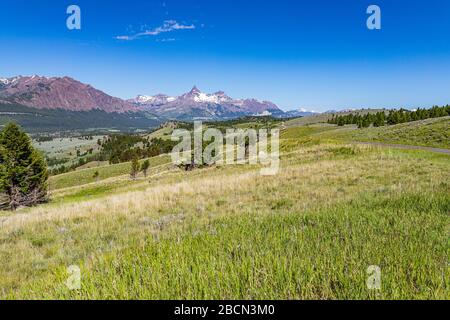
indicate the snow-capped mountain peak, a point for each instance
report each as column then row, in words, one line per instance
column 308, row 111
column 217, row 97
column 200, row 97
column 196, row 104
column 301, row 112
column 158, row 99
column 208, row 98
column 144, row 99
column 8, row 81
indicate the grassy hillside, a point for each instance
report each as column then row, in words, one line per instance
column 85, row 176
column 63, row 150
column 428, row 133
column 310, row 232
column 162, row 133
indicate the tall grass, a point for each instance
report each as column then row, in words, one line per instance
column 321, row 254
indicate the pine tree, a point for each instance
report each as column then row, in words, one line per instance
column 23, row 170
column 145, row 166
column 134, row 168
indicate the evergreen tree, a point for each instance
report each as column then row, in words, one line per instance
column 23, row 170
column 145, row 166
column 394, row 117
column 134, row 167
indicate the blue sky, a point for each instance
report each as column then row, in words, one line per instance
column 313, row 54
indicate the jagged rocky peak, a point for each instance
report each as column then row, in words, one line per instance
column 195, row 90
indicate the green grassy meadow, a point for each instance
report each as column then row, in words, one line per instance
column 335, row 208
column 428, row 133
column 85, row 176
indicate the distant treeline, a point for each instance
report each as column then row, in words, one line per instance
column 125, row 147
column 382, row 118
column 120, row 148
column 44, row 139
column 41, row 139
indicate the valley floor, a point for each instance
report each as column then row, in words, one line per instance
column 311, row 232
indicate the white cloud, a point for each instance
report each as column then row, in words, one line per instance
column 168, row 26
column 167, row 40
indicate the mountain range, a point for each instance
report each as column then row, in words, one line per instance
column 38, row 97
column 302, row 112
column 196, row 105
column 59, row 93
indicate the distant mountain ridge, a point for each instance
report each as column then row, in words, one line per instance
column 302, row 112
column 198, row 105
column 65, row 93
column 59, row 93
